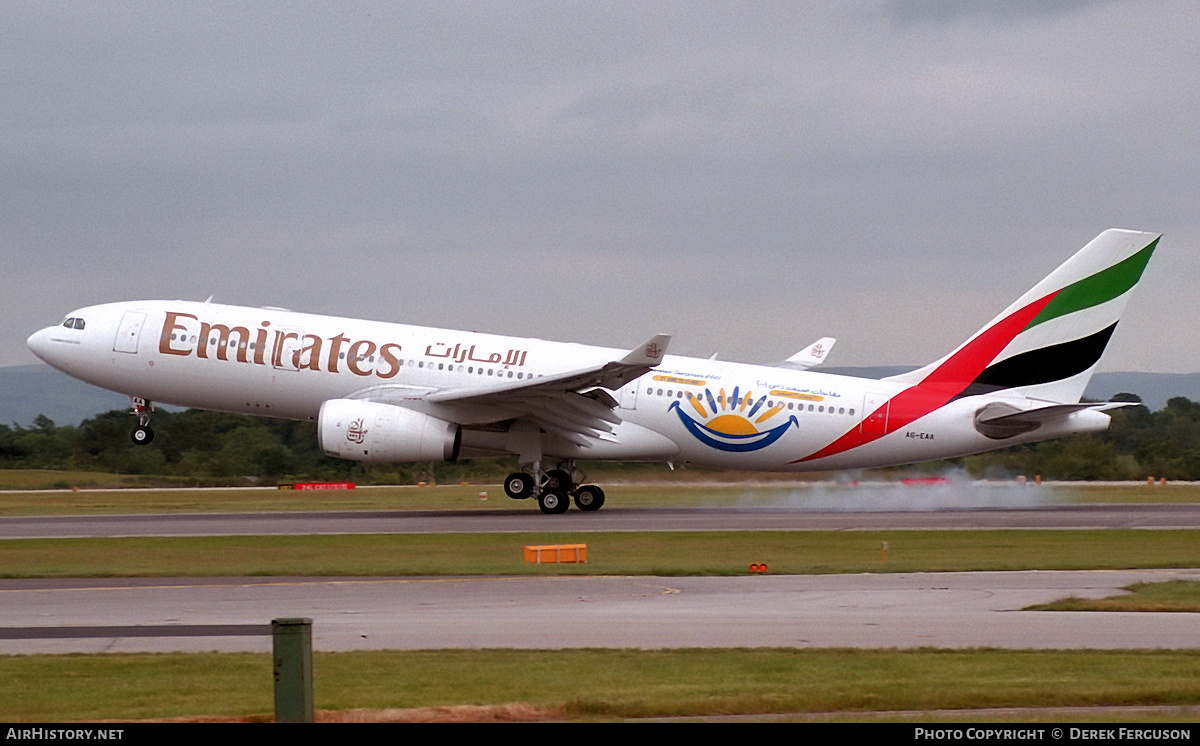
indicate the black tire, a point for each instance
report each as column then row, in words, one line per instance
column 589, row 497
column 518, row 485
column 142, row 435
column 553, row 502
column 558, row 479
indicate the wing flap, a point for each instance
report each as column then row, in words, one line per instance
column 556, row 411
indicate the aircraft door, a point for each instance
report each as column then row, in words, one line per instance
column 129, row 332
column 875, row 413
column 629, row 394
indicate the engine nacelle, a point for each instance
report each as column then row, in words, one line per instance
column 369, row 431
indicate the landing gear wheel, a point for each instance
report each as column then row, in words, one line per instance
column 589, row 497
column 558, row 479
column 553, row 502
column 142, row 435
column 518, row 485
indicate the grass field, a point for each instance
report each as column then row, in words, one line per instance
column 610, row 684
column 1173, row 596
column 609, row 553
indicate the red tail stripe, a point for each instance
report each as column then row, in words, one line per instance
column 944, row 382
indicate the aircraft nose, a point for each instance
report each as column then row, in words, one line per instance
column 39, row 343
column 53, row 351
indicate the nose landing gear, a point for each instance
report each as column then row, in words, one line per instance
column 142, row 434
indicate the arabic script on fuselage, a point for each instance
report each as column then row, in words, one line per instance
column 301, row 351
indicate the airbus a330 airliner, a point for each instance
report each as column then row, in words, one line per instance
column 395, row 393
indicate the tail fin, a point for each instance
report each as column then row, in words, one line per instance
column 1048, row 342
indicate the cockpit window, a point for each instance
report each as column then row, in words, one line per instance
column 73, row 323
column 79, row 323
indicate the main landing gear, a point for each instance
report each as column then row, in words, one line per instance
column 142, row 434
column 554, row 489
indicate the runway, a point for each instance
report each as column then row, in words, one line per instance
column 1090, row 516
column 947, row 610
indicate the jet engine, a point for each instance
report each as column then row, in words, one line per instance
column 369, row 431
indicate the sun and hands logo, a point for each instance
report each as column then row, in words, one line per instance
column 736, row 423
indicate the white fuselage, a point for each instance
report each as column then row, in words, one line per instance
column 279, row 363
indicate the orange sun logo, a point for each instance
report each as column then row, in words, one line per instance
column 735, row 423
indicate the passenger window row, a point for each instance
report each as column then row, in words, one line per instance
column 742, row 401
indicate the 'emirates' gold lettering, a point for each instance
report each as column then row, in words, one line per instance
column 288, row 349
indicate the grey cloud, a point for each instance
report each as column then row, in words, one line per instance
column 749, row 176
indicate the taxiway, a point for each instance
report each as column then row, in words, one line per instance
column 945, row 610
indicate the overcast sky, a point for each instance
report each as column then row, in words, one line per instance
column 745, row 176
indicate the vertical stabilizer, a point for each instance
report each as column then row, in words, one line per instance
column 1047, row 344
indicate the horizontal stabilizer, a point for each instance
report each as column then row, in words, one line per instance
column 999, row 420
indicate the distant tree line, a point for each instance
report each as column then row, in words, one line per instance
column 209, row 448
column 198, row 447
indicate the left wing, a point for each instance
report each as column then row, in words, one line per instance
column 574, row 405
column 612, row 375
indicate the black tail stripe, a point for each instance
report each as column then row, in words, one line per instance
column 1053, row 363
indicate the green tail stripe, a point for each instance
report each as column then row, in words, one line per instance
column 1099, row 288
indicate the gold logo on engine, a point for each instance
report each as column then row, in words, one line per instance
column 356, row 433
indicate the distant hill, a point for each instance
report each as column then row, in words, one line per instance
column 1154, row 388
column 29, row 390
